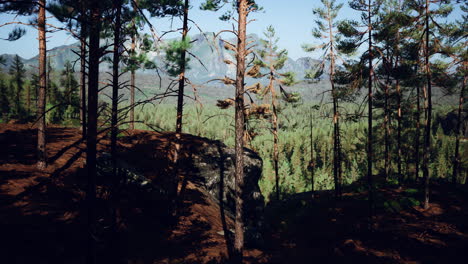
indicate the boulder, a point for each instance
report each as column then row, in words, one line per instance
column 213, row 168
column 209, row 164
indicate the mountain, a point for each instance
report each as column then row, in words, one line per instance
column 205, row 49
column 207, row 62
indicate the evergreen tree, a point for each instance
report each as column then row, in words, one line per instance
column 70, row 93
column 26, row 8
column 4, row 101
column 17, row 71
column 269, row 64
column 243, row 8
column 356, row 38
column 426, row 17
column 326, row 29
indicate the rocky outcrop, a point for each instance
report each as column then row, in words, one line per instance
column 213, row 168
column 209, row 164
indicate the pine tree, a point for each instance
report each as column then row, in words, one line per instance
column 269, row 64
column 326, row 29
column 426, row 18
column 243, row 8
column 91, row 141
column 355, row 39
column 27, row 8
column 17, row 71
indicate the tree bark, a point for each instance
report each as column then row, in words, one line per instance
column 115, row 83
column 312, row 159
column 387, row 129
column 275, row 133
column 369, row 118
column 427, row 134
column 418, row 128
column 239, row 129
column 41, row 128
column 336, row 126
column 180, row 95
column 132, row 75
column 83, row 35
column 93, row 87
column 399, row 116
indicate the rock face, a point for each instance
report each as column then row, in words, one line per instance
column 209, row 164
column 213, row 168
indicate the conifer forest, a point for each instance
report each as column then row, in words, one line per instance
column 233, row 131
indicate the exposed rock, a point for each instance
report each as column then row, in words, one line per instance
column 213, row 168
column 209, row 164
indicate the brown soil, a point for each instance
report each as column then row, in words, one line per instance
column 43, row 219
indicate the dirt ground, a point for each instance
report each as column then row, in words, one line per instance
column 43, row 216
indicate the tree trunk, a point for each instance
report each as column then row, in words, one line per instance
column 399, row 115
column 275, row 134
column 180, row 95
column 312, row 161
column 417, row 132
column 93, row 87
column 115, row 86
column 239, row 130
column 41, row 128
column 427, row 134
column 386, row 132
column 28, row 100
column 83, row 35
column 180, row 108
column 369, row 118
column 336, row 126
column 457, row 159
column 132, row 76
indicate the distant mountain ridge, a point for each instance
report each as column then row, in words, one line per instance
column 207, row 50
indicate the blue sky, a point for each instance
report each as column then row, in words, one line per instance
column 292, row 19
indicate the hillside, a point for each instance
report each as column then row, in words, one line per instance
column 50, row 203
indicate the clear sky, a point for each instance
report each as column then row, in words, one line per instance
column 292, row 19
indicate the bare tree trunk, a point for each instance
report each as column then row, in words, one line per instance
column 115, row 77
column 399, row 115
column 83, row 35
column 336, row 126
column 312, row 161
column 239, row 130
column 386, row 132
column 369, row 118
column 114, row 119
column 180, row 108
column 417, row 132
column 275, row 134
column 28, row 100
column 41, row 128
column 132, row 75
column 115, row 84
column 427, row 136
column 457, row 159
column 132, row 95
column 93, row 87
column 180, row 96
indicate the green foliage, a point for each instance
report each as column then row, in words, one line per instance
column 173, row 59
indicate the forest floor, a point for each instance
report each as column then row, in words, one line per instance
column 43, row 218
